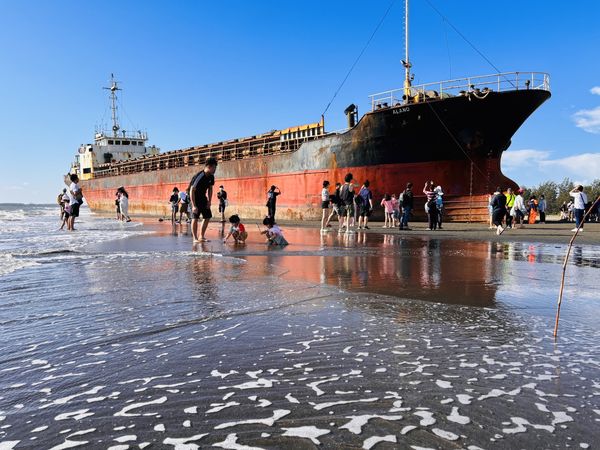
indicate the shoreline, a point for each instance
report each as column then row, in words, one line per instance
column 550, row 232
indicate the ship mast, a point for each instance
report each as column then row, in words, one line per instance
column 406, row 62
column 113, row 97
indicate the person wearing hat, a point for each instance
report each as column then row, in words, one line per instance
column 222, row 196
column 439, row 202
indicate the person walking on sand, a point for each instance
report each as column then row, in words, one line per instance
column 201, row 190
column 118, row 204
column 430, row 204
column 498, row 210
column 579, row 202
column 406, row 201
column 335, row 203
column 222, row 196
column 124, row 204
column 366, row 205
column 325, row 199
column 174, row 201
column 272, row 195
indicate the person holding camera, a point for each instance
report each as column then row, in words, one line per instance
column 272, row 195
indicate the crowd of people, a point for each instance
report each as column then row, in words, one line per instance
column 352, row 204
column 353, row 209
column 510, row 210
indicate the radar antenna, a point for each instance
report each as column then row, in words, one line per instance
column 113, row 98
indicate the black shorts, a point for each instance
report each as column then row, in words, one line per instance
column 183, row 207
column 221, row 207
column 75, row 209
column 203, row 210
column 324, row 205
column 364, row 211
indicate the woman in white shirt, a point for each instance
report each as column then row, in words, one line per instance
column 325, row 205
column 124, row 203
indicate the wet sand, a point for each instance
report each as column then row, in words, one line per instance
column 367, row 340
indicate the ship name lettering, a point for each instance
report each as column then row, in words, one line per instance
column 401, row 110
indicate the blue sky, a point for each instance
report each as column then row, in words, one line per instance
column 195, row 72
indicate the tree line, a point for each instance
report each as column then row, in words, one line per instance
column 557, row 193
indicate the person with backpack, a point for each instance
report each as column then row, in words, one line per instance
column 406, row 201
column 347, row 199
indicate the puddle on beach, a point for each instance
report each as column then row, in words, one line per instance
column 363, row 341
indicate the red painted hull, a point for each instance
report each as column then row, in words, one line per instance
column 301, row 191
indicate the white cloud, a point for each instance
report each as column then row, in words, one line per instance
column 595, row 90
column 530, row 163
column 515, row 159
column 588, row 120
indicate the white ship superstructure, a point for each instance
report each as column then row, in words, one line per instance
column 109, row 147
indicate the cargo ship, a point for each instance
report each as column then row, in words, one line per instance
column 452, row 132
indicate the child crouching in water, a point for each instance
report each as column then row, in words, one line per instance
column 237, row 230
column 273, row 232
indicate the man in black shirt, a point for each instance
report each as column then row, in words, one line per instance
column 201, row 189
column 222, row 196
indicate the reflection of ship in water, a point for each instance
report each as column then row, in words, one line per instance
column 447, row 271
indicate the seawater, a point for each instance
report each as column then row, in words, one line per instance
column 127, row 336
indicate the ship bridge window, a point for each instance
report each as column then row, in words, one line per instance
column 125, row 142
column 133, row 142
column 118, row 142
column 111, row 142
column 87, row 170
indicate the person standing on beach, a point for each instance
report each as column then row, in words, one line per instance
column 542, row 208
column 184, row 205
column 325, row 205
column 174, row 201
column 347, row 198
column 124, row 204
column 519, row 209
column 579, row 202
column 406, row 201
column 439, row 203
column 75, row 200
column 498, row 210
column 201, row 190
column 510, row 202
column 272, row 195
column 366, row 205
column 61, row 202
column 222, row 196
column 430, row 204
column 118, row 204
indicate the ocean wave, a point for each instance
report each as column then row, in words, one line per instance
column 10, row 264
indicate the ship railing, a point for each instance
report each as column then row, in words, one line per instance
column 225, row 151
column 479, row 85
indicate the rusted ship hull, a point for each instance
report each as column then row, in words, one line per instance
column 456, row 142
